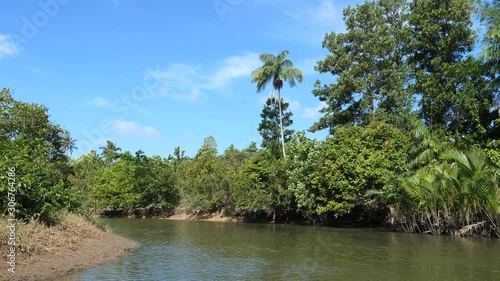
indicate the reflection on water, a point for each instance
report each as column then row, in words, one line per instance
column 187, row 250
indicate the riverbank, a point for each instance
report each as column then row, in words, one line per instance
column 74, row 244
column 219, row 216
column 171, row 214
column 359, row 217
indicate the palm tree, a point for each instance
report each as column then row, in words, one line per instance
column 109, row 151
column 276, row 69
column 427, row 146
column 69, row 143
column 475, row 182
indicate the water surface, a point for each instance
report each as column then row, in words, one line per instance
column 189, row 250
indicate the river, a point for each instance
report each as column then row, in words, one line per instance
column 193, row 250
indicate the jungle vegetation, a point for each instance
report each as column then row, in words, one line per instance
column 413, row 122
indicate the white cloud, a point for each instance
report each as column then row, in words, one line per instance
column 7, row 46
column 323, row 14
column 304, row 21
column 312, row 112
column 99, row 102
column 326, row 13
column 179, row 82
column 105, row 103
column 235, row 67
column 185, row 83
column 143, row 111
column 132, row 128
column 294, row 106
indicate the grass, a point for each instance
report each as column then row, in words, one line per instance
column 35, row 238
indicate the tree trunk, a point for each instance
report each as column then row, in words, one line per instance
column 281, row 124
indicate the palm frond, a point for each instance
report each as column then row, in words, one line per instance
column 268, row 59
column 460, row 158
column 281, row 57
column 291, row 75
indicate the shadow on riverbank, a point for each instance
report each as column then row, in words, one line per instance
column 359, row 217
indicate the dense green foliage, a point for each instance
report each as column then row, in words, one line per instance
column 398, row 59
column 413, row 121
column 370, row 60
column 449, row 80
column 491, row 41
column 334, row 176
column 35, row 148
column 451, row 191
column 127, row 182
column 491, row 53
column 269, row 127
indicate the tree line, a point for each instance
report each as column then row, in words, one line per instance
column 413, row 117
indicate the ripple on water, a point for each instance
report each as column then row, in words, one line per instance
column 214, row 251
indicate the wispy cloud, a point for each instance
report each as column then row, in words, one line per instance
column 314, row 19
column 186, row 83
column 132, row 128
column 7, row 46
column 179, row 82
column 304, row 21
column 294, row 106
column 305, row 112
column 235, row 67
column 297, row 109
column 98, row 102
column 324, row 14
column 312, row 112
column 102, row 102
column 143, row 111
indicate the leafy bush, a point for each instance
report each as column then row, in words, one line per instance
column 35, row 148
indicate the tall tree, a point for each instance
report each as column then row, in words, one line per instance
column 203, row 184
column 88, row 170
column 449, row 81
column 491, row 40
column 370, row 62
column 209, row 147
column 270, row 124
column 110, row 151
column 491, row 54
column 69, row 144
column 275, row 70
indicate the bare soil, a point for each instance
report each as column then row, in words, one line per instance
column 43, row 253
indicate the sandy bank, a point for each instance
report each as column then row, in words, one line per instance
column 44, row 253
column 181, row 214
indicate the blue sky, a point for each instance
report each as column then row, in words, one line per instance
column 154, row 75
